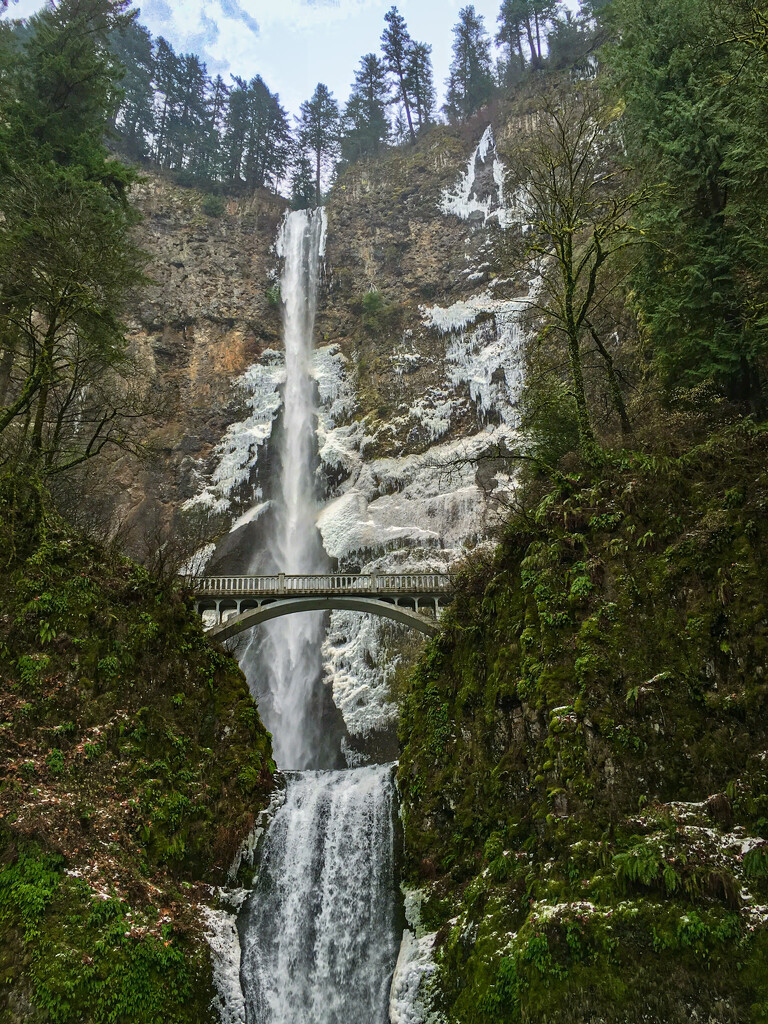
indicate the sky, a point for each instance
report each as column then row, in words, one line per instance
column 294, row 44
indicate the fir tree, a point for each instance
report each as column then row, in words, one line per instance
column 303, row 192
column 366, row 125
column 397, row 46
column 470, row 83
column 132, row 45
column 267, row 138
column 66, row 258
column 420, row 84
column 319, row 131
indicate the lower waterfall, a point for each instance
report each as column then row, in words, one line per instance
column 319, row 943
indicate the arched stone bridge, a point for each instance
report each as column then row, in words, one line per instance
column 232, row 604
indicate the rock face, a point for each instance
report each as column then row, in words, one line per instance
column 418, row 366
column 204, row 319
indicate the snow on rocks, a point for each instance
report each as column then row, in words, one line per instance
column 478, row 196
column 237, row 452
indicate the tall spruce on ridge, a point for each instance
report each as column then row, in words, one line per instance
column 366, row 125
column 470, row 83
column 319, row 126
column 397, row 45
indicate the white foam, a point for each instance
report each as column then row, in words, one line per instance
column 224, row 941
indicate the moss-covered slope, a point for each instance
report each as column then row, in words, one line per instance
column 132, row 760
column 585, row 763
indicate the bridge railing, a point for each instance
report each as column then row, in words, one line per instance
column 283, row 583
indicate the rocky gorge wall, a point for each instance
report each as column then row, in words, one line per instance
column 418, row 365
column 203, row 319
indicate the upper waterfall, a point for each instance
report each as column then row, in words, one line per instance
column 290, row 656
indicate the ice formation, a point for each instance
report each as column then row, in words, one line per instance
column 224, row 941
column 237, row 453
column 465, row 200
column 409, row 1001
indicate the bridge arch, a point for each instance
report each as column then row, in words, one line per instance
column 291, row 606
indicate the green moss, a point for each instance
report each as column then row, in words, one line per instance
column 605, row 664
column 143, row 762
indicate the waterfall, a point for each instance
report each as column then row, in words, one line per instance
column 288, row 651
column 319, row 941
column 318, row 932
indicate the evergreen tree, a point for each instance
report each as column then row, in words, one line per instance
column 420, row 83
column 236, row 128
column 319, row 131
column 66, row 84
column 303, row 192
column 696, row 109
column 366, row 125
column 188, row 115
column 512, row 23
column 397, row 46
column 165, row 78
column 132, row 46
column 213, row 146
column 66, row 259
column 470, row 84
column 267, row 138
column 526, row 19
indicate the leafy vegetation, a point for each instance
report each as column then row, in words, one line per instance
column 134, row 763
column 562, row 742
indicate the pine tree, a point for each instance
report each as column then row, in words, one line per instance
column 135, row 122
column 420, row 83
column 366, row 125
column 470, row 84
column 319, row 131
column 397, row 45
column 303, row 192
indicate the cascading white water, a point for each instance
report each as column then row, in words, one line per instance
column 319, row 943
column 318, row 932
column 291, row 654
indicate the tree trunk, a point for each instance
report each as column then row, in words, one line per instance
column 46, row 379
column 587, row 442
column 317, row 178
column 613, row 382
column 404, row 94
column 6, row 368
column 538, row 36
column 531, row 43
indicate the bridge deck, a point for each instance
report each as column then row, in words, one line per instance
column 332, row 584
